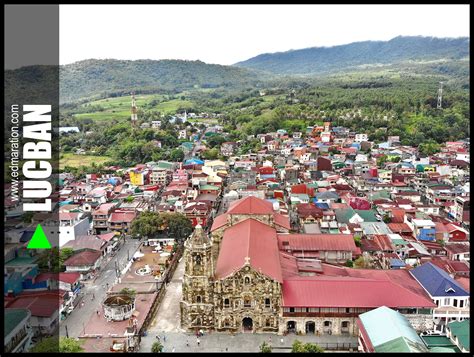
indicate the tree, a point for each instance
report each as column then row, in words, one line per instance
column 349, row 263
column 65, row 254
column 157, row 347
column 362, row 263
column 146, row 225
column 178, row 225
column 386, row 218
column 129, row 292
column 300, row 347
column 63, row 345
column 177, row 155
column 265, row 348
column 27, row 217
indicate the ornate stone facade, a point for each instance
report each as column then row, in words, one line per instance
column 197, row 305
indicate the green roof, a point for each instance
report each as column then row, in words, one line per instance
column 12, row 318
column 390, row 331
column 380, row 195
column 367, row 215
column 460, row 330
column 442, row 350
column 344, row 215
column 209, row 187
column 401, row 344
column 19, row 261
column 399, row 242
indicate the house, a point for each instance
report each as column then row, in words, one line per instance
column 309, row 213
column 121, row 221
column 386, row 330
column 361, row 137
column 86, row 263
column 44, row 309
column 18, row 332
column 423, row 229
column 458, row 333
column 228, row 148
column 460, row 252
column 451, row 298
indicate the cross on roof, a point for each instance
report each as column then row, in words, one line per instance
column 247, row 260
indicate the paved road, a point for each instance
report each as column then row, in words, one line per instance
column 75, row 322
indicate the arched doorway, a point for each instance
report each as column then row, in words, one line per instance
column 327, row 329
column 247, row 324
column 310, row 327
column 291, row 326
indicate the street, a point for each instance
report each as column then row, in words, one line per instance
column 75, row 322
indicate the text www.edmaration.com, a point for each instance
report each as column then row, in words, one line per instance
column 14, row 150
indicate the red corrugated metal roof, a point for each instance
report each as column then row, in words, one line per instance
column 250, row 205
column 255, row 240
column 40, row 304
column 69, row 278
column 317, row 242
column 122, row 217
column 219, row 222
column 281, row 220
column 85, row 257
column 349, row 292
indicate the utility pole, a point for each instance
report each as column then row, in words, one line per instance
column 440, row 96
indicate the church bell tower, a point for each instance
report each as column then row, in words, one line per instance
column 197, row 309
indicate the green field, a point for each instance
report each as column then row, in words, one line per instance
column 119, row 107
column 74, row 160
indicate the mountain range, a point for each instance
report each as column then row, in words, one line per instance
column 94, row 78
column 318, row 60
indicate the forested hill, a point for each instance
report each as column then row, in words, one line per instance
column 93, row 77
column 400, row 49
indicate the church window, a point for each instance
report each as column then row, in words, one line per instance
column 268, row 322
column 198, row 299
column 247, row 280
column 267, row 302
column 226, row 303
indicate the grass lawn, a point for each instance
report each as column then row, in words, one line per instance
column 73, row 160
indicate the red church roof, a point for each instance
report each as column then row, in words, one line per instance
column 252, row 241
column 250, row 205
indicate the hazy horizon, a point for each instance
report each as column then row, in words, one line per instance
column 227, row 34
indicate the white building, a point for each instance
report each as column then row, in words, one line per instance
column 360, row 138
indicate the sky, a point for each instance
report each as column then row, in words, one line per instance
column 226, row 34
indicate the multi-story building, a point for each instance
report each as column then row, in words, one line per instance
column 100, row 217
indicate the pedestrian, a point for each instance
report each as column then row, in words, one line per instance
column 158, row 338
column 227, row 349
column 187, row 343
column 198, row 342
column 281, row 341
column 172, row 350
column 164, row 338
column 97, row 312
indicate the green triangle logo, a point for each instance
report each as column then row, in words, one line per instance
column 39, row 239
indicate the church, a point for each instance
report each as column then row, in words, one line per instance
column 241, row 278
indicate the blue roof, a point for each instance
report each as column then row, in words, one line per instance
column 194, row 162
column 436, row 281
column 26, row 236
column 396, row 263
column 321, row 204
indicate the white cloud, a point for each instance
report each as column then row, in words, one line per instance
column 226, row 34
